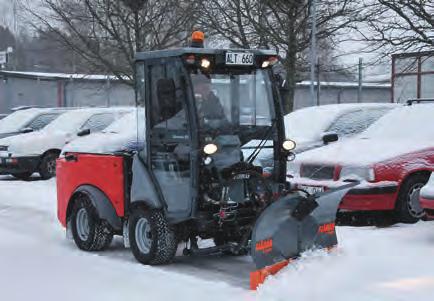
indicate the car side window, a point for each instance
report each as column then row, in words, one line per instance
column 41, row 121
column 98, row 122
column 355, row 122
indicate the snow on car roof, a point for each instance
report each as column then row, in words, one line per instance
column 404, row 130
column 119, row 136
column 72, row 120
column 18, row 119
column 308, row 124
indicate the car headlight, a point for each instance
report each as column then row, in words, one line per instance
column 357, row 173
column 4, row 148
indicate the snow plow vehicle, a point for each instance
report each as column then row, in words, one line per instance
column 190, row 180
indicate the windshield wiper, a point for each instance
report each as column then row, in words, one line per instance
column 261, row 145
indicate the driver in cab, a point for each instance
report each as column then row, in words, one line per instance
column 207, row 103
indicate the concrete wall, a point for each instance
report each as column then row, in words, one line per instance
column 341, row 94
column 20, row 91
column 45, row 91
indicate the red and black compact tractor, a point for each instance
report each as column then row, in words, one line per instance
column 194, row 178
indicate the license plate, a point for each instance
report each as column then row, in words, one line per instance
column 311, row 189
column 239, row 58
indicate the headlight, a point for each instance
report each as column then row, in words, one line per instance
column 357, row 173
column 288, row 145
column 210, row 149
column 4, row 148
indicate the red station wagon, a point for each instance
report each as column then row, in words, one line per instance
column 393, row 158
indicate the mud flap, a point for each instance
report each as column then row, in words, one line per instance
column 291, row 226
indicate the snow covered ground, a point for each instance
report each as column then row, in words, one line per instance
column 38, row 263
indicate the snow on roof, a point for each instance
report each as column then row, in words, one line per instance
column 49, row 75
column 402, row 131
column 346, row 84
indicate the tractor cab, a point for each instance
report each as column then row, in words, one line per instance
column 203, row 106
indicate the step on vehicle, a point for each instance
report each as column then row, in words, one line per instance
column 191, row 180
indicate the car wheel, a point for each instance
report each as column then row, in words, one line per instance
column 408, row 208
column 90, row 233
column 47, row 169
column 151, row 238
column 24, row 176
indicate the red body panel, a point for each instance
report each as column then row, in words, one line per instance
column 426, row 203
column 368, row 202
column 393, row 170
column 106, row 172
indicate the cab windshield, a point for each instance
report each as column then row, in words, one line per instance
column 233, row 100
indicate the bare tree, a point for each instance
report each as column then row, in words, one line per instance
column 277, row 24
column 107, row 33
column 397, row 26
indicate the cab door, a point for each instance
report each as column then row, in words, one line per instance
column 170, row 147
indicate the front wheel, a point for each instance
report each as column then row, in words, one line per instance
column 151, row 238
column 47, row 169
column 90, row 233
column 408, row 208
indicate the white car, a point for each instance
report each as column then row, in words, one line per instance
column 27, row 120
column 317, row 126
column 121, row 136
column 24, row 154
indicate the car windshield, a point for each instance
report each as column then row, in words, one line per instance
column 233, row 99
column 355, row 122
column 409, row 122
column 17, row 120
column 69, row 122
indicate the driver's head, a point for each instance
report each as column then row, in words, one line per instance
column 201, row 85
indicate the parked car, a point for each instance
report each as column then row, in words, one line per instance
column 121, row 136
column 24, row 154
column 392, row 158
column 426, row 197
column 317, row 126
column 27, row 120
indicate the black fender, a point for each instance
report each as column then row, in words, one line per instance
column 143, row 188
column 102, row 203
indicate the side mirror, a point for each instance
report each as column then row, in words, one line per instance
column 330, row 137
column 83, row 132
column 26, row 130
column 166, row 92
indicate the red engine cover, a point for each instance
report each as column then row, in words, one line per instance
column 106, row 172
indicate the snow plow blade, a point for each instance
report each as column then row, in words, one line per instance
column 292, row 225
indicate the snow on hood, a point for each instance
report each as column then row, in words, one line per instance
column 34, row 143
column 363, row 151
column 122, row 135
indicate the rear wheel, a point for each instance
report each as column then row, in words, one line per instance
column 151, row 238
column 23, row 175
column 47, row 169
column 90, row 233
column 408, row 208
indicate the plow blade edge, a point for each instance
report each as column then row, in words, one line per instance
column 292, row 225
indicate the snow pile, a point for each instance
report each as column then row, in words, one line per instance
column 370, row 264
